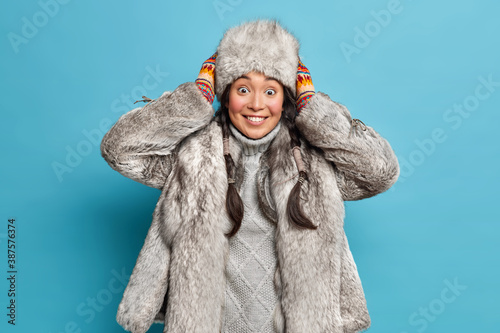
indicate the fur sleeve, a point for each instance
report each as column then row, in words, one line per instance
column 141, row 143
column 364, row 162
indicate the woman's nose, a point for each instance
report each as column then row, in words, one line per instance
column 256, row 102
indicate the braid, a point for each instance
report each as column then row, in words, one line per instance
column 234, row 204
column 294, row 210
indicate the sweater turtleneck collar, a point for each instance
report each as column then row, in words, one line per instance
column 254, row 146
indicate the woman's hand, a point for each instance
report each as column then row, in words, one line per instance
column 206, row 78
column 305, row 88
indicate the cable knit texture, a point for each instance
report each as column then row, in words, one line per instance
column 251, row 298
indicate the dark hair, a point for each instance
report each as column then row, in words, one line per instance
column 234, row 204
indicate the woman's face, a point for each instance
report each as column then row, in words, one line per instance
column 255, row 104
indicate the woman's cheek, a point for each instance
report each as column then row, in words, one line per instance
column 236, row 105
column 276, row 107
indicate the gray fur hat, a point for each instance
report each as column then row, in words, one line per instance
column 261, row 46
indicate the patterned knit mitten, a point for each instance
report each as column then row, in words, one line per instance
column 305, row 88
column 206, row 78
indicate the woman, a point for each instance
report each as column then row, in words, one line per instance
column 247, row 235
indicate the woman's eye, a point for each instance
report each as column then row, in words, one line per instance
column 270, row 92
column 242, row 90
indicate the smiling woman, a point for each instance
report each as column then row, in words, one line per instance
column 247, row 235
column 255, row 104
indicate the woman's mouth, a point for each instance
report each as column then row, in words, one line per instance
column 255, row 120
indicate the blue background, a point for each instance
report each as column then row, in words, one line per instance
column 80, row 229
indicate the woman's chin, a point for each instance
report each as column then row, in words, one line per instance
column 256, row 134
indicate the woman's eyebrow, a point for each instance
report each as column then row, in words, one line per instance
column 266, row 79
column 243, row 77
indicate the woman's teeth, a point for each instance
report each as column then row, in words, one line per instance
column 256, row 119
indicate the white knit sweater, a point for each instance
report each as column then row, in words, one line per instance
column 251, row 297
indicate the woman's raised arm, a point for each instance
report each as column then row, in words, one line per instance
column 142, row 143
column 364, row 162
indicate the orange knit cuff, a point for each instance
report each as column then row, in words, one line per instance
column 206, row 78
column 305, row 87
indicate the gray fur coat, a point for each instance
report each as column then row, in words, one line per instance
column 174, row 145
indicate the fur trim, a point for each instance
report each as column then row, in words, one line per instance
column 355, row 316
column 194, row 224
column 148, row 283
column 261, row 46
column 309, row 260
